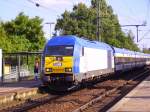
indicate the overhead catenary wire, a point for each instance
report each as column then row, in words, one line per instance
column 143, row 37
column 126, row 18
column 132, row 14
column 24, row 7
column 147, row 10
column 40, row 5
column 15, row 4
column 27, row 7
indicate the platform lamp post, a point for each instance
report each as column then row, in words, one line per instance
column 50, row 23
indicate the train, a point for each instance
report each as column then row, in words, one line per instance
column 74, row 60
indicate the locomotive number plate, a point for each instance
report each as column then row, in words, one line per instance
column 57, row 64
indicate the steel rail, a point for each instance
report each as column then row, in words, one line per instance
column 29, row 104
column 83, row 107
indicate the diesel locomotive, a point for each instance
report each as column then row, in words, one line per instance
column 73, row 60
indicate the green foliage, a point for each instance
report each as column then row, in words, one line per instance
column 19, row 43
column 23, row 34
column 146, row 51
column 82, row 20
column 4, row 41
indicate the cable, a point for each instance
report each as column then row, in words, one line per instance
column 147, row 12
column 13, row 3
column 131, row 11
column 29, row 7
column 126, row 18
column 38, row 4
column 144, row 35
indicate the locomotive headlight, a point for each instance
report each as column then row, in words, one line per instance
column 48, row 69
column 68, row 69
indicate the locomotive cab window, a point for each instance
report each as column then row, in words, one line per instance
column 60, row 50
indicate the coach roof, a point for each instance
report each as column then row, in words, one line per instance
column 124, row 51
column 71, row 40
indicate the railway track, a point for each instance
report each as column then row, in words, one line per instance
column 28, row 104
column 83, row 99
column 96, row 105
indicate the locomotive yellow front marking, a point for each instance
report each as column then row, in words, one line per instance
column 58, row 70
column 51, row 62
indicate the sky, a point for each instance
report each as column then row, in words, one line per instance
column 129, row 12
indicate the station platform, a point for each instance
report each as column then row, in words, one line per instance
column 18, row 90
column 138, row 100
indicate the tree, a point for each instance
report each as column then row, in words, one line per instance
column 82, row 20
column 78, row 22
column 24, row 33
column 19, row 43
column 4, row 43
column 145, row 50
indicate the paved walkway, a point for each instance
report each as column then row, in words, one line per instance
column 17, row 86
column 138, row 100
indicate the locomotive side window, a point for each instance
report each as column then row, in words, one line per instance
column 60, row 50
column 82, row 51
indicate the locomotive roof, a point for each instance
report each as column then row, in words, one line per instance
column 71, row 40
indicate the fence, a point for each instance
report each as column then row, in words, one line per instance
column 19, row 66
column 13, row 76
